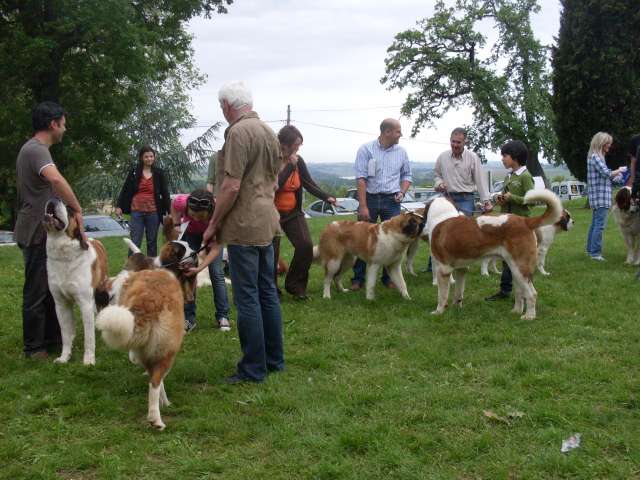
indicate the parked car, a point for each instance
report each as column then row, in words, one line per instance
column 97, row 226
column 422, row 194
column 569, row 189
column 6, row 237
column 345, row 206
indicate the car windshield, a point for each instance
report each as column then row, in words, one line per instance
column 347, row 205
column 101, row 224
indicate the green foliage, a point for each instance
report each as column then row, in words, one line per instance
column 373, row 390
column 99, row 60
column 447, row 63
column 558, row 178
column 595, row 78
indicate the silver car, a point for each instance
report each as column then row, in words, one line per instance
column 344, row 206
column 97, row 226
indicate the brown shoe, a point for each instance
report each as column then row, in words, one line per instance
column 39, row 355
column 391, row 285
column 355, row 286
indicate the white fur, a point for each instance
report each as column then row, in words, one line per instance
column 116, row 324
column 132, row 246
column 70, row 279
column 491, row 220
column 440, row 210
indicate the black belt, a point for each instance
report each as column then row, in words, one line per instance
column 461, row 193
column 381, row 194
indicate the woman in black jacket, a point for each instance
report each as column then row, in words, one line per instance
column 145, row 196
column 293, row 177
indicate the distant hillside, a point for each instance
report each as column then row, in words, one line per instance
column 342, row 172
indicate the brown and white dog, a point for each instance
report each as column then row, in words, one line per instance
column 545, row 236
column 146, row 317
column 380, row 245
column 457, row 241
column 175, row 255
column 75, row 269
column 628, row 220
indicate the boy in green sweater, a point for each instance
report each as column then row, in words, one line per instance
column 518, row 182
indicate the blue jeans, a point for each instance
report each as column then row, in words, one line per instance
column 594, row 238
column 383, row 206
column 220, row 297
column 259, row 318
column 463, row 202
column 149, row 222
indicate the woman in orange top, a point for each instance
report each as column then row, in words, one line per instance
column 293, row 177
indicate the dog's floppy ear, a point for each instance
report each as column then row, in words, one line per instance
column 83, row 243
column 168, row 229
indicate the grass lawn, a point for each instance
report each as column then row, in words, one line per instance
column 373, row 390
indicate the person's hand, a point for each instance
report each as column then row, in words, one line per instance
column 487, row 207
column 506, row 197
column 399, row 196
column 332, row 200
column 191, row 271
column 118, row 212
column 363, row 214
column 441, row 187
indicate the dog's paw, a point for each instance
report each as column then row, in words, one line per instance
column 528, row 316
column 156, row 423
column 62, row 359
column 544, row 272
column 89, row 360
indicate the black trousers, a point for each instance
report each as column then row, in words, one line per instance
column 296, row 229
column 40, row 327
column 506, row 279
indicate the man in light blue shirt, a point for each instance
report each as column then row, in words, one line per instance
column 383, row 174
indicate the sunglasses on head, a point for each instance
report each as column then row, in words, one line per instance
column 199, row 203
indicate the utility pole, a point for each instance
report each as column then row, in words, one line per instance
column 288, row 114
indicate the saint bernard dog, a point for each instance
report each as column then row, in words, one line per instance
column 545, row 236
column 457, row 241
column 379, row 245
column 75, row 268
column 628, row 220
column 146, row 317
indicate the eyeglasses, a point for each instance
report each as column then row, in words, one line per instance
column 199, row 203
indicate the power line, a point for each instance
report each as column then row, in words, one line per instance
column 364, row 133
column 350, row 109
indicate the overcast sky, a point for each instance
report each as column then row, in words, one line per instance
column 325, row 59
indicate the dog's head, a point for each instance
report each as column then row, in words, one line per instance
column 566, row 221
column 623, row 199
column 409, row 224
column 59, row 217
column 177, row 255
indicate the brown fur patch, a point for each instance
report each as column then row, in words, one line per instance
column 99, row 267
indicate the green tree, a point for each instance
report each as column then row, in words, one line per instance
column 95, row 58
column 595, row 79
column 447, row 63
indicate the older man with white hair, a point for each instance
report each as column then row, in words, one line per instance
column 246, row 220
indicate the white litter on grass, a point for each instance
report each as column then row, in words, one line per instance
column 570, row 443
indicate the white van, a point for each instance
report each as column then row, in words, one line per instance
column 569, row 189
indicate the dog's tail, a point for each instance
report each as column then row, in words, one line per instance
column 116, row 324
column 553, row 212
column 132, row 246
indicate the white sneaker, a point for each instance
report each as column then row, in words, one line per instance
column 598, row 258
column 224, row 325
